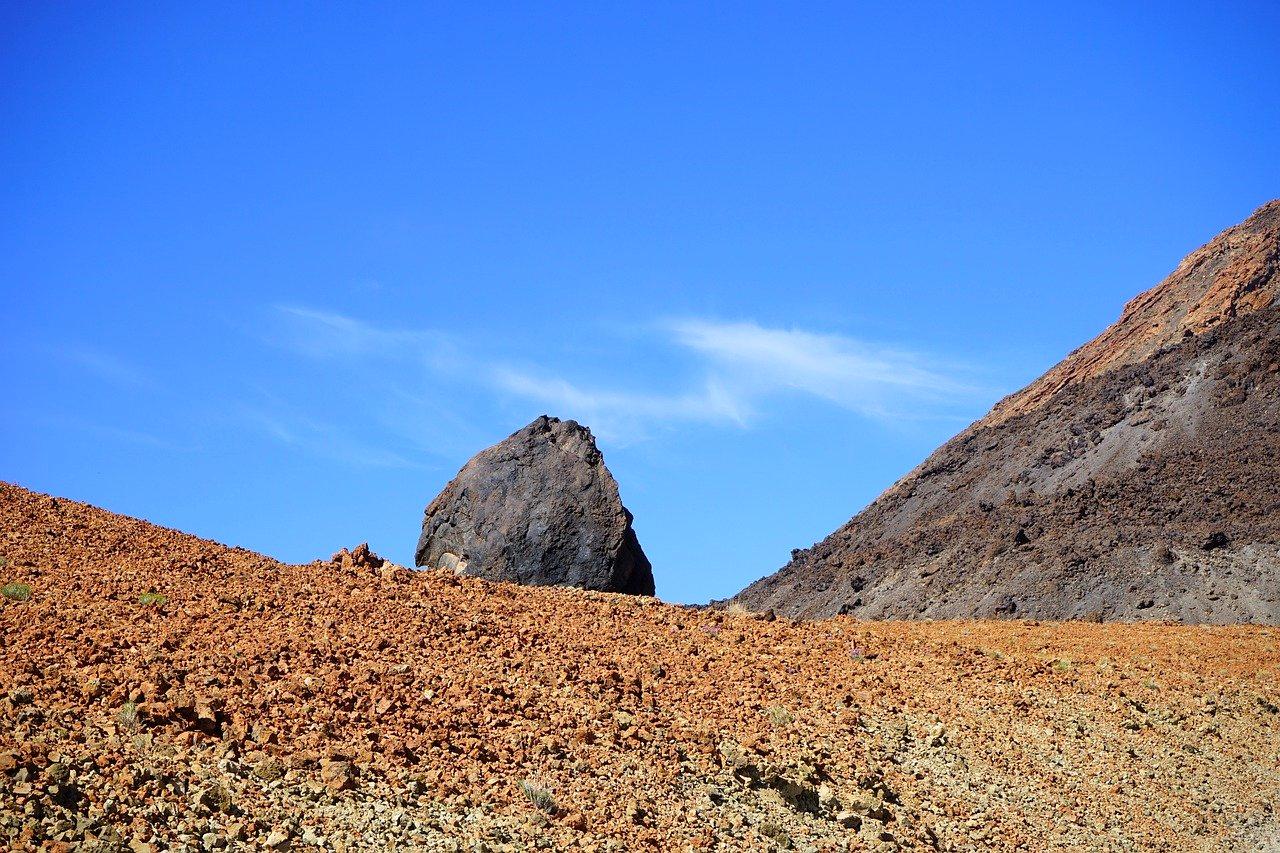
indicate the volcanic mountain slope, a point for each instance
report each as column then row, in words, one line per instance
column 162, row 692
column 1139, row 478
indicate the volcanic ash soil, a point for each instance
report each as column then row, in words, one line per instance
column 163, row 692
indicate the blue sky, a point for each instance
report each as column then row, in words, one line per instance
column 272, row 276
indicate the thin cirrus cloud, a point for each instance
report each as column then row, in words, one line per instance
column 734, row 368
column 326, row 334
column 873, row 380
column 743, row 364
column 317, row 437
column 623, row 415
column 108, row 367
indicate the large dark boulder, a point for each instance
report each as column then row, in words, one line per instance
column 539, row 508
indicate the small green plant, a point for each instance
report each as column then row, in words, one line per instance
column 148, row 599
column 779, row 716
column 16, row 591
column 128, row 716
column 1062, row 665
column 539, row 796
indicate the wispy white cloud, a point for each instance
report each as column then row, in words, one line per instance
column 733, row 367
column 741, row 365
column 326, row 334
column 874, row 380
column 113, row 433
column 622, row 415
column 108, row 366
column 318, row 437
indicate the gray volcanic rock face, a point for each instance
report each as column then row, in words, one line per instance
column 541, row 509
column 1137, row 479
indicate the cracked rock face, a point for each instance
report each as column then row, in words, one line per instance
column 539, row 509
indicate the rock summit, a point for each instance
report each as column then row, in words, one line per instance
column 539, row 509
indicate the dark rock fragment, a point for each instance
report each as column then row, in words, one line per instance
column 1215, row 541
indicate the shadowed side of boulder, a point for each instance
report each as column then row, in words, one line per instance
column 541, row 509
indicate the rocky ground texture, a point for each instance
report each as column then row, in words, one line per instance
column 163, row 692
column 1137, row 479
